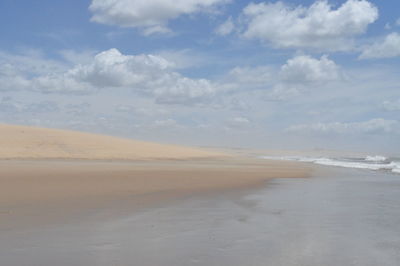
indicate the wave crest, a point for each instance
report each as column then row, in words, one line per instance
column 375, row 163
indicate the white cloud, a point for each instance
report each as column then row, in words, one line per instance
column 305, row 68
column 318, row 26
column 389, row 47
column 31, row 71
column 175, row 89
column 225, row 28
column 60, row 83
column 148, row 74
column 10, row 81
column 378, row 125
column 77, row 109
column 16, row 69
column 10, row 106
column 282, row 91
column 141, row 111
column 392, row 105
column 259, row 76
column 145, row 74
column 297, row 75
column 31, row 62
column 165, row 123
column 157, row 29
column 186, row 58
column 398, row 22
column 238, row 122
column 238, row 105
column 150, row 15
column 113, row 69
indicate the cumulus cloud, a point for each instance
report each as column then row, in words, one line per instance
column 145, row 74
column 225, row 28
column 305, row 68
column 389, row 47
column 317, row 26
column 378, row 125
column 150, row 15
column 148, row 74
column 298, row 74
column 113, row 69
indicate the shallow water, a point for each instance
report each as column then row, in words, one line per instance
column 346, row 217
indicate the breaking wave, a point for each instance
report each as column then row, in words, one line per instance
column 369, row 162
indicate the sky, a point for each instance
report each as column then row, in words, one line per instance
column 293, row 74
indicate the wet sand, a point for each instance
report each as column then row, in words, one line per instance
column 39, row 192
column 337, row 217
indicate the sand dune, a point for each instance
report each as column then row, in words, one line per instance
column 24, row 142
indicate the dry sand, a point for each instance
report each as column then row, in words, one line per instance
column 41, row 189
column 24, row 142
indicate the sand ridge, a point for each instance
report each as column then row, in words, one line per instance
column 25, row 142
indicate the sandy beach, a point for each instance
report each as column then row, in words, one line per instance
column 39, row 192
column 71, row 198
column 54, row 180
column 200, row 133
column 53, row 176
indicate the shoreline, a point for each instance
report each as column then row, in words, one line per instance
column 338, row 216
column 41, row 192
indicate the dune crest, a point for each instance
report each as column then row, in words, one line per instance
column 25, row 142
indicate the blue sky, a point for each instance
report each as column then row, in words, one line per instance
column 267, row 74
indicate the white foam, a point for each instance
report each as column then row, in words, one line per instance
column 396, row 169
column 358, row 165
column 370, row 162
column 291, row 158
column 376, row 158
